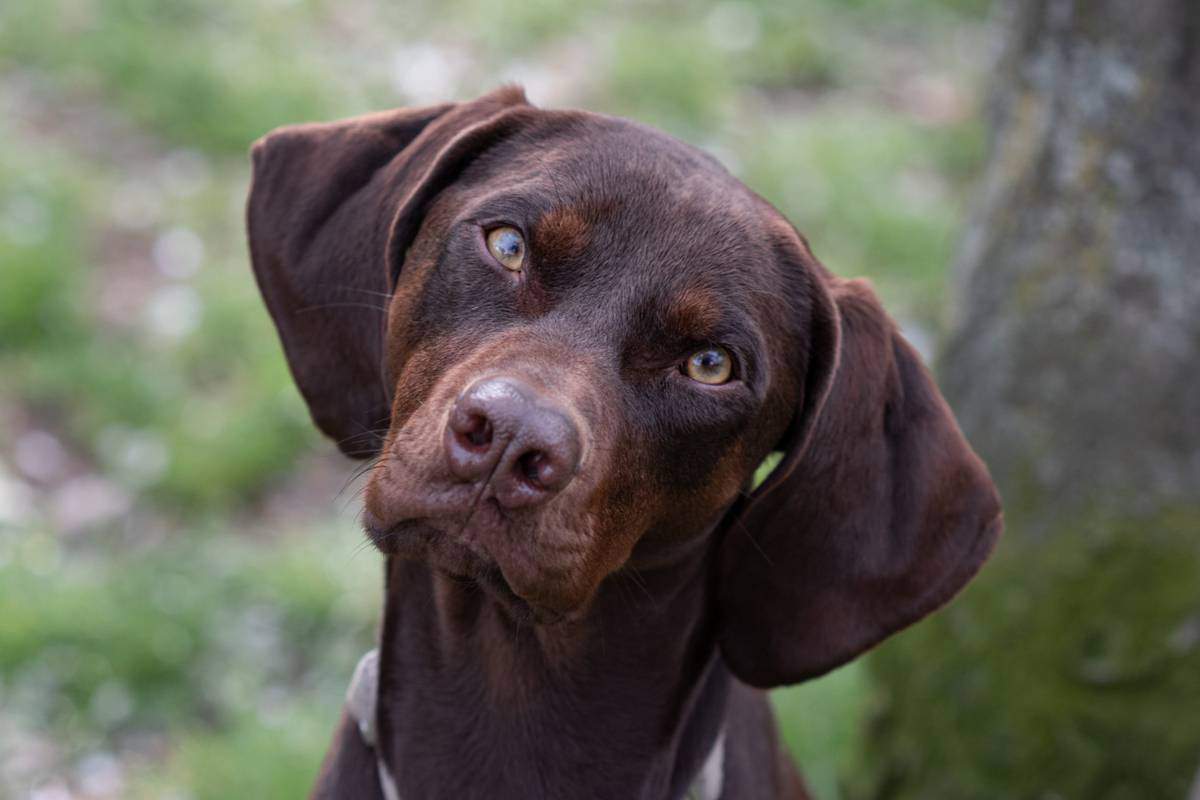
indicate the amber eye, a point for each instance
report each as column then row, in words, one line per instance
column 508, row 247
column 712, row 365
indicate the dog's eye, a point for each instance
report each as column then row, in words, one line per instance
column 712, row 365
column 508, row 247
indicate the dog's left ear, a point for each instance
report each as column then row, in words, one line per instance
column 878, row 514
column 333, row 208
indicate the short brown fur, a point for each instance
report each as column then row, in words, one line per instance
column 589, row 613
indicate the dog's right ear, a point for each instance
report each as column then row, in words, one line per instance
column 332, row 211
column 878, row 513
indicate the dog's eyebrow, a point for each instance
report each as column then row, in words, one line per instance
column 694, row 311
column 561, row 231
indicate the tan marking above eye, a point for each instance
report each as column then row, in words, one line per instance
column 694, row 310
column 507, row 245
column 710, row 365
column 561, row 233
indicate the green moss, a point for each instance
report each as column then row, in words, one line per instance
column 1071, row 668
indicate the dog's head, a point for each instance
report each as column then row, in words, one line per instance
column 571, row 340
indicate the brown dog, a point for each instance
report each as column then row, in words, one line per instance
column 570, row 340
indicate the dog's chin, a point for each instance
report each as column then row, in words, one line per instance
column 426, row 541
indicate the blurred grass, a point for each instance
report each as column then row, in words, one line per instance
column 236, row 647
column 149, row 431
column 822, row 723
column 182, row 68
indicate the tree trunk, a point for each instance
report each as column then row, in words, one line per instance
column 1076, row 364
column 1072, row 667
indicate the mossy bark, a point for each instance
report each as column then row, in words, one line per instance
column 1075, row 366
column 1071, row 668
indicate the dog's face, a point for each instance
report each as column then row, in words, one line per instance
column 589, row 336
column 583, row 346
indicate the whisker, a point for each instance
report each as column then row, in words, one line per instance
column 346, row 304
column 348, row 288
column 750, row 536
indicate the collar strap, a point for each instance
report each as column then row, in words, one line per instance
column 363, row 693
column 360, row 703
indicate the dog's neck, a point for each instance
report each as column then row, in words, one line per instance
column 627, row 700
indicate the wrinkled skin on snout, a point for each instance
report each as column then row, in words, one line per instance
column 639, row 252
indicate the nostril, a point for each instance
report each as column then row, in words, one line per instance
column 534, row 467
column 470, row 444
column 477, row 433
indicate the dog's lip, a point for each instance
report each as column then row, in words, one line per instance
column 383, row 535
column 423, row 539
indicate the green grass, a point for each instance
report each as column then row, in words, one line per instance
column 822, row 724
column 236, row 648
column 247, row 758
column 217, row 400
column 869, row 193
column 41, row 223
column 209, row 74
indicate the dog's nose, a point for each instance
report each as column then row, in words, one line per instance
column 502, row 429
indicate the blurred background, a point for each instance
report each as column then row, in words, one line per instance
column 183, row 588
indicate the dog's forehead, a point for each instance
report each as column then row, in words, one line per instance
column 645, row 168
column 631, row 198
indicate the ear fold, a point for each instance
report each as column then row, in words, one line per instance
column 332, row 210
column 879, row 513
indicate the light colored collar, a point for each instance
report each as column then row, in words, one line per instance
column 361, row 697
column 363, row 693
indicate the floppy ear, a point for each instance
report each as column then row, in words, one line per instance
column 332, row 211
column 878, row 514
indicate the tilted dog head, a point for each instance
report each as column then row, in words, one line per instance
column 571, row 340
